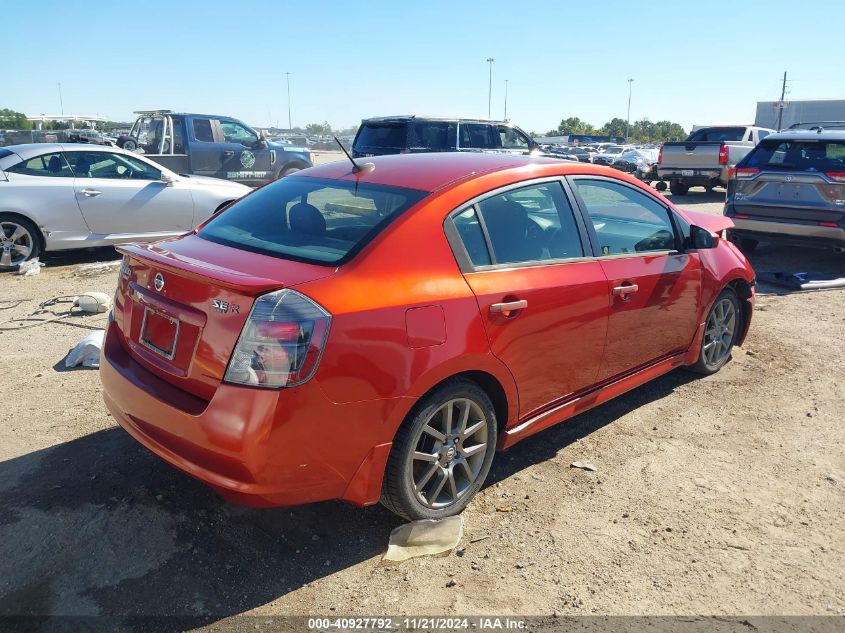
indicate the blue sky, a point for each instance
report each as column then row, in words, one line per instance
column 692, row 61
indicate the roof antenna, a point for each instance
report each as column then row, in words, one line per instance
column 366, row 167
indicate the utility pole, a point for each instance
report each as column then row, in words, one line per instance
column 781, row 103
column 506, row 99
column 61, row 102
column 628, row 121
column 290, row 125
column 490, row 61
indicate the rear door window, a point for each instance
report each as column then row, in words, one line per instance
column 432, row 136
column 479, row 136
column 50, row 165
column 718, row 134
column 808, row 156
column 202, row 131
column 388, row 135
column 531, row 224
column 310, row 219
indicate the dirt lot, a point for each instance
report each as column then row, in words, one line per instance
column 718, row 495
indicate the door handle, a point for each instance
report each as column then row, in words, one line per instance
column 91, row 192
column 228, row 153
column 625, row 292
column 508, row 307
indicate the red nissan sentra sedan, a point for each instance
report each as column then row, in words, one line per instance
column 377, row 334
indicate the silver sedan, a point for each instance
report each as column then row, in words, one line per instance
column 66, row 196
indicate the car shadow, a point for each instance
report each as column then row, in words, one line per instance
column 80, row 256
column 100, row 526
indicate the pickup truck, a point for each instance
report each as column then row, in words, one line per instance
column 212, row 145
column 706, row 156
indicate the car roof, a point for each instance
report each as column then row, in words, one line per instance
column 807, row 135
column 31, row 150
column 431, row 171
column 426, row 117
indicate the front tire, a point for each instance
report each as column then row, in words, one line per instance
column 720, row 333
column 441, row 454
column 19, row 242
column 677, row 188
column 288, row 172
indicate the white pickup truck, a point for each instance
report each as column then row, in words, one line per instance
column 706, row 156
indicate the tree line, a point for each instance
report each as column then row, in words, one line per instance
column 642, row 131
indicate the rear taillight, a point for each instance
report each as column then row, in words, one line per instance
column 660, row 155
column 742, row 172
column 281, row 342
column 838, row 176
column 723, row 154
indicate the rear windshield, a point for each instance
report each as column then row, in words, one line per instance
column 719, row 134
column 310, row 219
column 821, row 156
column 383, row 135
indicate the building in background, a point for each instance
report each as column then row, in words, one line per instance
column 799, row 112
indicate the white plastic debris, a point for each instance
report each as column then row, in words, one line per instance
column 428, row 537
column 87, row 351
column 93, row 302
column 29, row 268
column 583, row 466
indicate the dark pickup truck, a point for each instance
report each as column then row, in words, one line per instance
column 212, row 145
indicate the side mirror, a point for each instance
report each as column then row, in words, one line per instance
column 700, row 238
column 166, row 179
column 261, row 143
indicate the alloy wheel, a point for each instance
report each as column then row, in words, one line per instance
column 16, row 244
column 449, row 453
column 719, row 332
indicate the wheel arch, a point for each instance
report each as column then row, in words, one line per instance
column 292, row 164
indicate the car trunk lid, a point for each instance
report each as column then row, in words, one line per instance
column 801, row 196
column 180, row 315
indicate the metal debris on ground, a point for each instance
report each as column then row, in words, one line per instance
column 427, row 537
column 801, row 281
column 583, row 466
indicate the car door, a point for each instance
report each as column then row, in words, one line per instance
column 244, row 158
column 543, row 303
column 654, row 286
column 121, row 194
column 206, row 154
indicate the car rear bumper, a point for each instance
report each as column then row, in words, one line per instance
column 789, row 232
column 255, row 447
column 698, row 176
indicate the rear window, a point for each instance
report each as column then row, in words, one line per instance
column 821, row 156
column 383, row 135
column 310, row 219
column 718, row 134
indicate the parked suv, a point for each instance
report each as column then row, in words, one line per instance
column 790, row 188
column 413, row 134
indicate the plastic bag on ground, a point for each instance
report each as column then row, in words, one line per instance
column 29, row 268
column 87, row 351
column 427, row 537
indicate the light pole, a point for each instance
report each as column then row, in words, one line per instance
column 290, row 125
column 61, row 102
column 506, row 99
column 628, row 121
column 490, row 61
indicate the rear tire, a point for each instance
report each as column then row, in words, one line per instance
column 721, row 329
column 19, row 241
column 442, row 453
column 745, row 244
column 128, row 144
column 677, row 188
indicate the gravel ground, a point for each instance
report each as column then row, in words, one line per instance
column 717, row 495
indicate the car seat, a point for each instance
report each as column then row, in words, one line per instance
column 508, row 226
column 306, row 218
column 54, row 165
column 82, row 168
